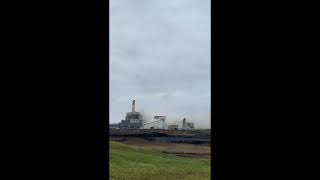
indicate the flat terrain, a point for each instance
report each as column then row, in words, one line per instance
column 123, row 132
column 180, row 149
column 131, row 162
column 196, row 143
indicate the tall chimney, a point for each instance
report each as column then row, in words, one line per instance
column 133, row 105
column 184, row 123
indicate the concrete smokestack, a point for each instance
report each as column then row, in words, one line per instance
column 133, row 105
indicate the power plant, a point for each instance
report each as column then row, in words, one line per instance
column 134, row 120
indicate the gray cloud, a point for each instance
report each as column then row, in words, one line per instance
column 160, row 56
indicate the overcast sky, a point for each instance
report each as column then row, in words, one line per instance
column 160, row 56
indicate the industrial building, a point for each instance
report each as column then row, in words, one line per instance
column 133, row 119
column 182, row 125
column 159, row 122
column 187, row 125
column 173, row 127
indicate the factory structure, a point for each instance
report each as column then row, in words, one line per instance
column 158, row 122
column 134, row 120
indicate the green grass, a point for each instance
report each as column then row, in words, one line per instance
column 137, row 164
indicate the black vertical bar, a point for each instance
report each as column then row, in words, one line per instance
column 102, row 87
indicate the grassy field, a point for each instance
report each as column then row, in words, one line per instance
column 128, row 163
